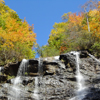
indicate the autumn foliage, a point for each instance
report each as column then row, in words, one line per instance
column 78, row 31
column 16, row 36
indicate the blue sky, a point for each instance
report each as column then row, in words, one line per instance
column 43, row 14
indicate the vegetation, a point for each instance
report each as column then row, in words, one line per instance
column 10, row 77
column 76, row 32
column 16, row 36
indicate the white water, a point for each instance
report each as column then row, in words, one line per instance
column 36, row 90
column 17, row 80
column 0, row 70
column 80, row 80
column 21, row 72
column 79, row 77
column 56, row 57
column 22, row 68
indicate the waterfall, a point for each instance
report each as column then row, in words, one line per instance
column 17, row 92
column 79, row 77
column 36, row 90
column 22, row 68
column 38, row 80
column 81, row 92
column 40, row 68
column 21, row 71
column 0, row 69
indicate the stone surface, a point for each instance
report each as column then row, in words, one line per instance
column 56, row 79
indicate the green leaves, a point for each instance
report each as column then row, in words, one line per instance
column 16, row 42
column 2, row 23
column 77, row 32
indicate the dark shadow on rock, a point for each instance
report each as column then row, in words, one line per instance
column 83, row 54
column 11, row 68
column 33, row 66
column 3, row 78
column 92, row 94
column 3, row 98
column 25, row 82
column 71, row 79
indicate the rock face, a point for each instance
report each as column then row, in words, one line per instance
column 54, row 78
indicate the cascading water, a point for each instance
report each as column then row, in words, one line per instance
column 80, row 79
column 58, row 84
column 0, row 70
column 21, row 72
column 22, row 68
column 38, row 80
column 36, row 90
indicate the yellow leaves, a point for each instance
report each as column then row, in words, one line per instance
column 16, row 32
column 65, row 16
column 2, row 1
column 57, row 34
column 93, row 19
column 93, row 13
column 11, row 24
column 19, row 32
column 94, row 22
column 16, row 41
column 59, row 29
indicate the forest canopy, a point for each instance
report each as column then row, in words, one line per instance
column 77, row 31
column 16, row 36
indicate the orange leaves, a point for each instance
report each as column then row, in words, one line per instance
column 76, row 19
column 62, row 49
column 94, row 22
column 19, row 32
column 15, row 30
column 16, row 42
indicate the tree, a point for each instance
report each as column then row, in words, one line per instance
column 77, row 31
column 16, row 36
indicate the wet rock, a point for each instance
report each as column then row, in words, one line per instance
column 3, row 78
column 27, row 81
column 33, row 74
column 56, row 78
column 33, row 66
column 92, row 94
column 84, row 54
column 11, row 69
column 3, row 98
column 50, row 68
column 9, row 81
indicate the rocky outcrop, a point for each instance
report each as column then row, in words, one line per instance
column 56, row 78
